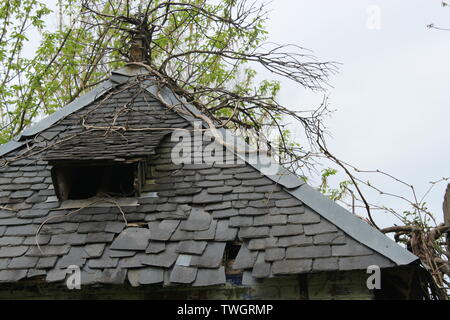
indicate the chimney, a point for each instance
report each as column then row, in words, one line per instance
column 138, row 48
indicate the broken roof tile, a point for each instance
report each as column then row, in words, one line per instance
column 210, row 277
column 191, row 247
column 211, row 257
column 181, row 274
column 198, row 220
column 132, row 239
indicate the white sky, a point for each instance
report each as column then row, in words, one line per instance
column 392, row 92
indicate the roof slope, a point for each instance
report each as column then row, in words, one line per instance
column 286, row 227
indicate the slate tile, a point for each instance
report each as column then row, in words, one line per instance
column 198, row 220
column 241, row 221
column 274, row 254
column 253, row 232
column 155, row 247
column 270, row 220
column 351, row 248
column 99, row 237
column 120, row 253
column 245, row 258
column 133, row 277
column 4, row 262
column 325, row 264
column 257, row 182
column 191, row 247
column 295, row 241
column 151, row 275
column 23, row 262
column 12, row 275
column 11, row 241
column 261, row 269
column 11, row 252
column 94, row 250
column 210, row 277
column 90, row 227
column 47, row 250
column 163, row 259
column 220, row 190
column 103, row 262
column 74, row 257
column 225, row 213
column 362, row 262
column 224, row 232
column 330, row 238
column 206, row 234
column 162, row 231
column 46, row 262
column 308, row 252
column 262, row 243
column 205, row 197
column 218, row 206
column 319, row 228
column 287, row 230
column 184, row 275
column 57, row 275
column 211, row 257
column 132, row 262
column 291, row 266
column 132, row 239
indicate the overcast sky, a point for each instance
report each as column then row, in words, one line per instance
column 392, row 92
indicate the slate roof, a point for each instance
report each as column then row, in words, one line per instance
column 177, row 230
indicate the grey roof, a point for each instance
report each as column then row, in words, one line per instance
column 178, row 228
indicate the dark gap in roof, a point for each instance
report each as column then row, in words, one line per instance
column 96, row 179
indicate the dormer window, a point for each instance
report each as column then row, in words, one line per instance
column 82, row 180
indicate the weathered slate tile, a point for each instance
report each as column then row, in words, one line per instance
column 11, row 241
column 191, row 247
column 210, row 277
column 245, row 258
column 4, row 263
column 218, row 206
column 261, row 269
column 351, row 248
column 325, row 264
column 121, row 253
column 198, row 220
column 74, row 257
column 287, row 230
column 57, row 275
column 270, row 220
column 249, row 211
column 305, row 218
column 11, row 252
column 164, row 259
column 274, row 254
column 151, row 275
column 12, row 275
column 99, row 237
column 253, row 232
column 330, row 238
column 362, row 262
column 88, row 227
column 206, row 234
column 132, row 262
column 94, row 250
column 162, row 231
column 155, row 247
column 308, row 252
column 319, row 228
column 181, row 274
column 103, row 262
column 295, row 241
column 205, row 197
column 224, row 232
column 211, row 257
column 286, row 203
column 291, row 266
column 46, row 262
column 262, row 243
column 225, row 213
column 132, row 239
column 23, row 262
column 241, row 221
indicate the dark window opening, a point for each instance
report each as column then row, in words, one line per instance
column 82, row 181
column 230, row 254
